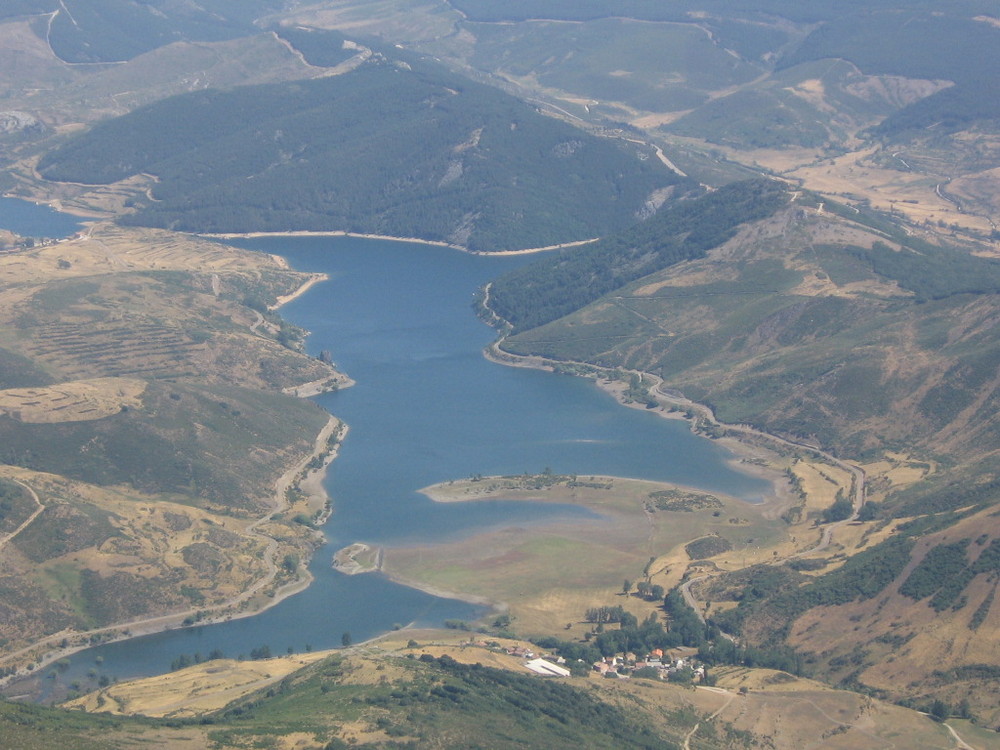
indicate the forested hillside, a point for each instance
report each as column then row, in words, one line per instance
column 92, row 31
column 390, row 149
column 553, row 287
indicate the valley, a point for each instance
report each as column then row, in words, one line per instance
column 767, row 230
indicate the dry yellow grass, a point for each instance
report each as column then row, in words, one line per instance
column 74, row 401
column 788, row 712
column 821, row 482
column 153, row 537
column 107, row 248
column 193, row 691
column 909, row 193
column 903, row 636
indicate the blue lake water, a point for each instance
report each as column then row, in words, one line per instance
column 427, row 407
column 35, row 220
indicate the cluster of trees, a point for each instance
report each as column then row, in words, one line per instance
column 840, row 510
column 556, row 286
column 322, row 48
column 10, row 494
column 777, row 595
column 186, row 660
column 931, row 272
column 684, row 628
column 946, row 571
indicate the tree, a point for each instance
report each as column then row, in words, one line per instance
column 346, row 640
column 940, row 710
column 626, row 587
column 964, row 711
column 502, row 621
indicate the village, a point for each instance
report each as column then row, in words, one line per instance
column 674, row 665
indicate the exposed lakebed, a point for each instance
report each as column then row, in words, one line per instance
column 427, row 408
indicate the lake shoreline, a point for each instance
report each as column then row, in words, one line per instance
column 391, row 238
column 746, row 457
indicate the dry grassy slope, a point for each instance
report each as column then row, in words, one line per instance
column 895, row 643
column 119, row 302
column 99, row 555
column 775, row 329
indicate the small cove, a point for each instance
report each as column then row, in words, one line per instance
column 427, row 408
column 29, row 219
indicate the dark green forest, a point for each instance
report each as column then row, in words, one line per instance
column 324, row 49
column 91, row 31
column 403, row 150
column 556, row 286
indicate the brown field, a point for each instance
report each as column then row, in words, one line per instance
column 860, row 176
column 122, row 323
column 106, row 248
column 796, row 713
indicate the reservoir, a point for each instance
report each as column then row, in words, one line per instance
column 428, row 407
column 36, row 220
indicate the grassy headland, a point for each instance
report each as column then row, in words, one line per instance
column 134, row 388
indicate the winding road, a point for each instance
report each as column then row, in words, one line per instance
column 27, row 522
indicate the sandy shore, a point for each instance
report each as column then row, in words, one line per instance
column 332, row 233
column 390, row 238
column 335, row 382
column 309, row 284
column 402, row 580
